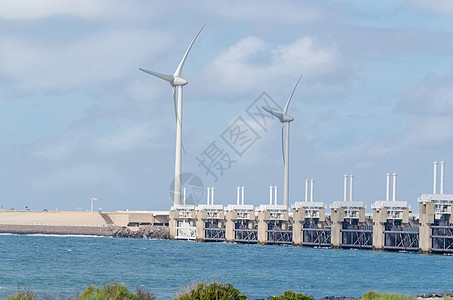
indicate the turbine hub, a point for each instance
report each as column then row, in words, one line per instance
column 287, row 118
column 179, row 81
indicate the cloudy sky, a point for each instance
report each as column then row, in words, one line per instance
column 78, row 120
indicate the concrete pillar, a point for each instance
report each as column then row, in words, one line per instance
column 285, row 222
column 337, row 217
column 362, row 215
column 173, row 223
column 322, row 214
column 231, row 217
column 263, row 220
column 298, row 220
column 200, row 225
column 405, row 216
column 379, row 219
column 425, row 231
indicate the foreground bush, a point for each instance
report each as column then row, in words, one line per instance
column 109, row 292
column 23, row 295
column 373, row 295
column 290, row 295
column 113, row 292
column 215, row 291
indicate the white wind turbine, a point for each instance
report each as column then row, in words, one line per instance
column 284, row 118
column 176, row 80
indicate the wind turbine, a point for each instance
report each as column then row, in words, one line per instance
column 176, row 81
column 285, row 118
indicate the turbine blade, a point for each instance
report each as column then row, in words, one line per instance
column 283, row 147
column 165, row 77
column 181, row 64
column 275, row 114
column 178, row 120
column 290, row 97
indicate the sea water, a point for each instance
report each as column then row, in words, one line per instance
column 65, row 265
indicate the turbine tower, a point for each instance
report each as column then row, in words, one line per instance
column 176, row 81
column 285, row 118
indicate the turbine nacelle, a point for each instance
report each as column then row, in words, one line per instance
column 178, row 81
column 286, row 118
column 281, row 116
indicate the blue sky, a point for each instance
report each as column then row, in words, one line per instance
column 77, row 119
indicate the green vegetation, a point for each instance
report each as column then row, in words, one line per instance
column 114, row 291
column 23, row 295
column 109, row 292
column 290, row 295
column 373, row 295
column 215, row 290
column 200, row 291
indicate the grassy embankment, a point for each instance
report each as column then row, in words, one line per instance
column 215, row 291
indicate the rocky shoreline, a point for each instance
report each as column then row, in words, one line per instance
column 143, row 232
column 439, row 295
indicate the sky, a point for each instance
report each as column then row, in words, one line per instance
column 78, row 120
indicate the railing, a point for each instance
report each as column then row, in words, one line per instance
column 279, row 236
column 186, row 232
column 405, row 239
column 214, row 234
column 312, row 213
column 319, row 237
column 442, row 238
column 359, row 237
column 276, row 216
column 246, row 235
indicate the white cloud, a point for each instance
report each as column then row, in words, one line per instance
column 29, row 9
column 98, row 57
column 259, row 11
column 439, row 6
column 251, row 63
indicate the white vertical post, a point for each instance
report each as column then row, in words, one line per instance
column 286, row 179
column 212, row 196
column 208, row 196
column 306, row 190
column 345, row 188
column 442, row 176
column 351, row 178
column 184, row 195
column 275, row 194
column 270, row 194
column 312, row 185
column 238, row 196
column 91, row 205
column 435, row 178
column 394, row 186
column 387, row 193
column 243, row 195
column 178, row 156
